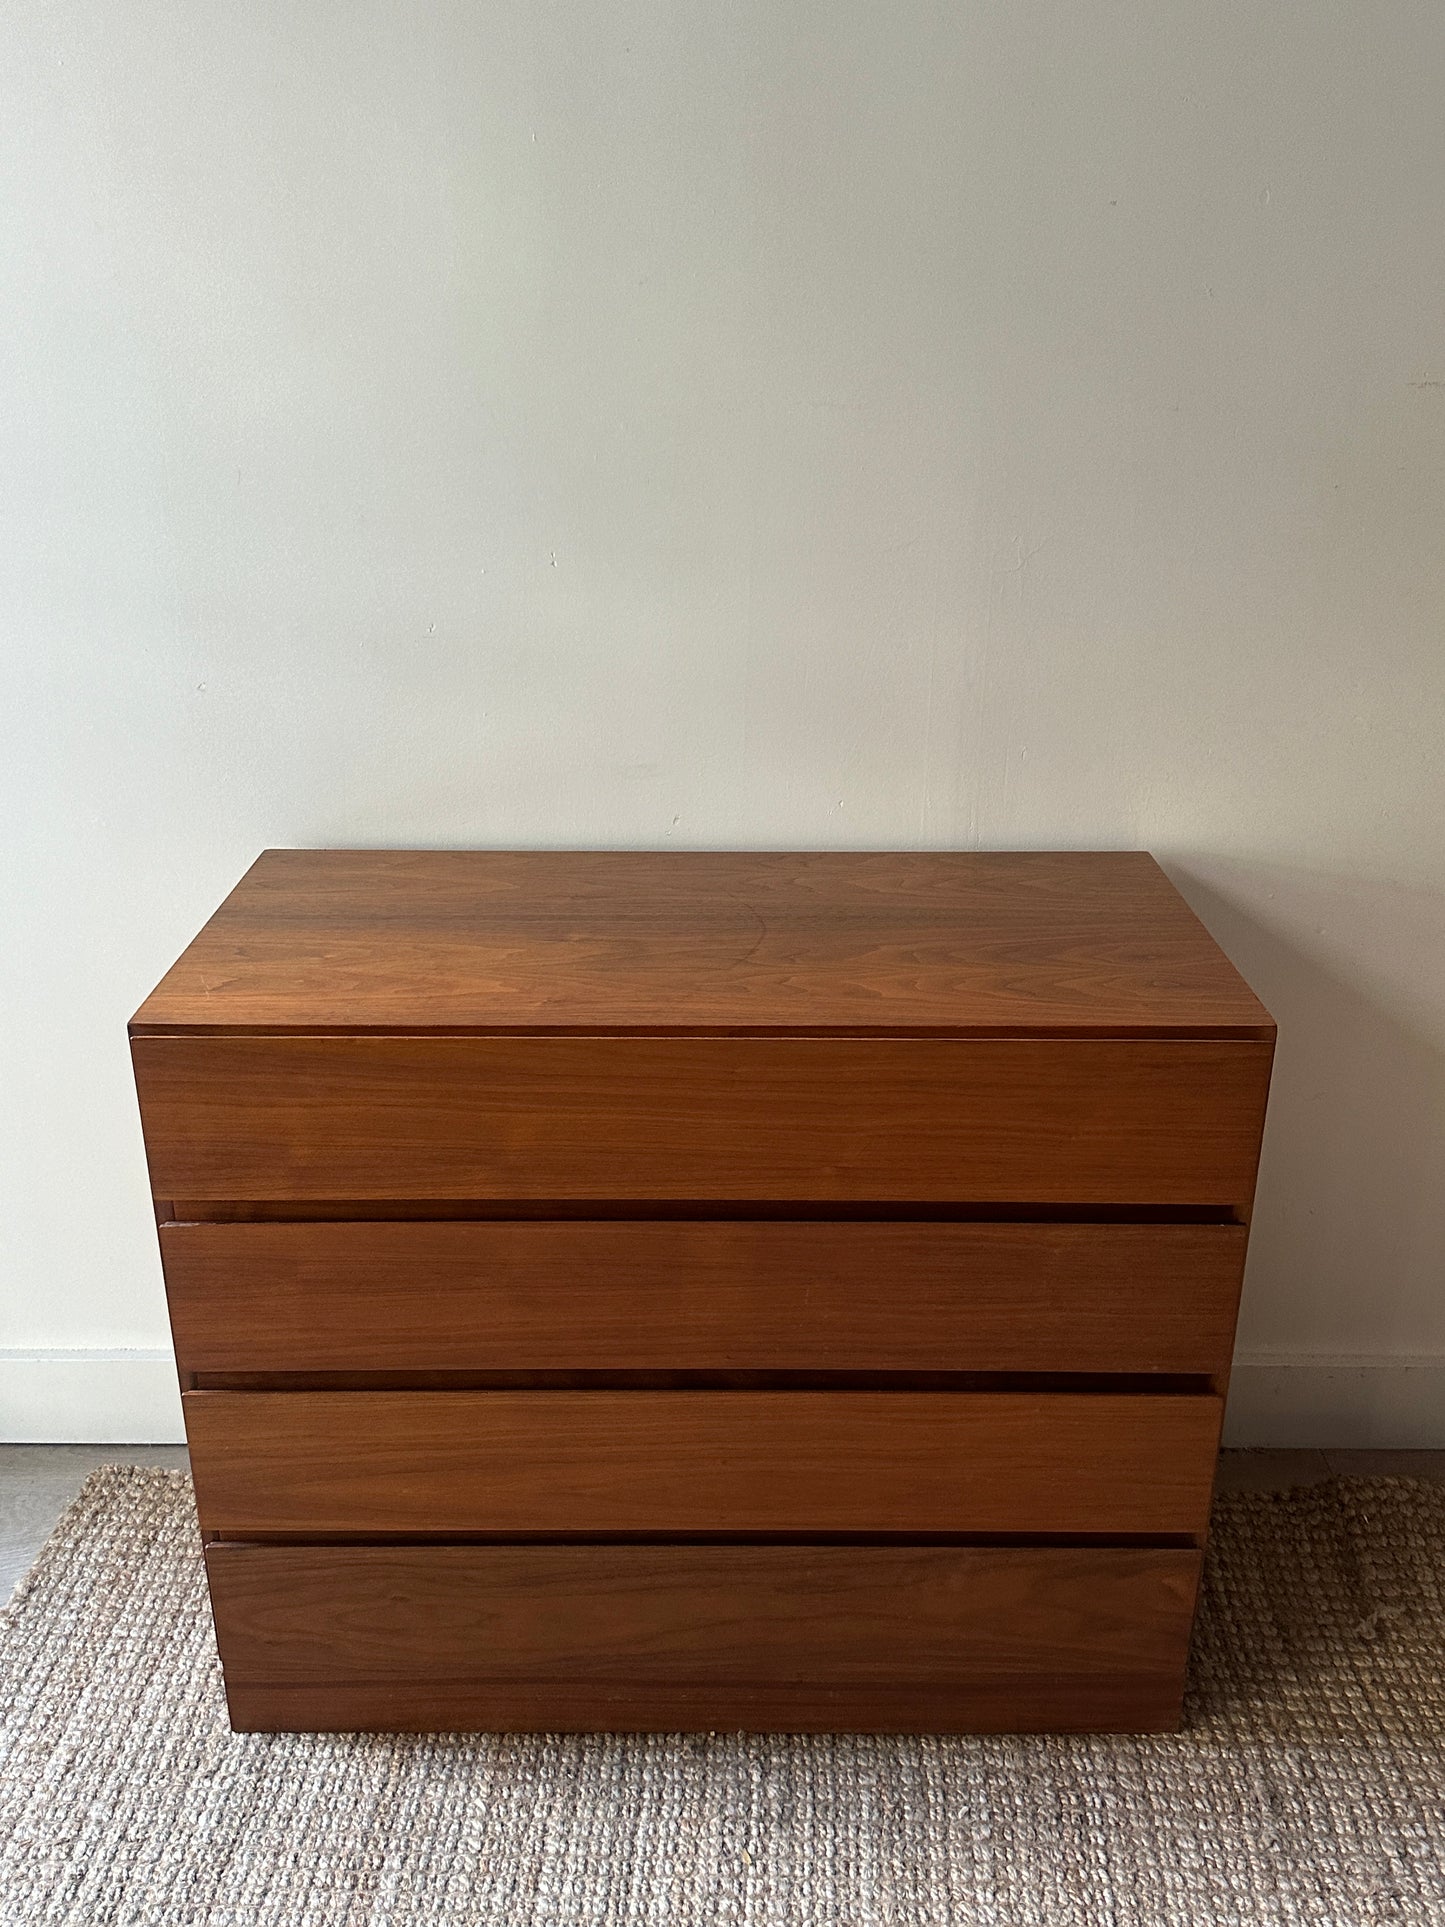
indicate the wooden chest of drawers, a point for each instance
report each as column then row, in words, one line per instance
column 703, row 1291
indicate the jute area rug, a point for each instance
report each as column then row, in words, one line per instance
column 1307, row 1787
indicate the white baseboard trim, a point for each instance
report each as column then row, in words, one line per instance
column 124, row 1397
column 90, row 1398
column 1361, row 1403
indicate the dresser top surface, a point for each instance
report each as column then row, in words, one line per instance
column 957, row 944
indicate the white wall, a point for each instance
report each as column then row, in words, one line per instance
column 1020, row 423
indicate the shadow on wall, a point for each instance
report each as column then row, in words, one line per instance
column 1349, row 1225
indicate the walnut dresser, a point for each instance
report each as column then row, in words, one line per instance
column 703, row 1291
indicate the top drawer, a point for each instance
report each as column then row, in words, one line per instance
column 270, row 1118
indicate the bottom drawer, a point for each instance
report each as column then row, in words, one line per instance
column 791, row 1638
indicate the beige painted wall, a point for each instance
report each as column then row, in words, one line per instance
column 847, row 424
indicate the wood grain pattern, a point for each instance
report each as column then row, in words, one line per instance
column 740, row 1615
column 727, row 1050
column 588, row 1463
column 957, row 942
column 1129, row 1702
column 703, row 1295
column 1012, row 1120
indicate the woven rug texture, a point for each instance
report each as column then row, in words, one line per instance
column 1307, row 1787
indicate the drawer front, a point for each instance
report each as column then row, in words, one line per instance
column 590, row 1463
column 713, row 1295
column 827, row 1615
column 1030, row 1120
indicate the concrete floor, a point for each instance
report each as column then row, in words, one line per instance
column 37, row 1482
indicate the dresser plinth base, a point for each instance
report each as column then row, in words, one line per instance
column 1033, row 1705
